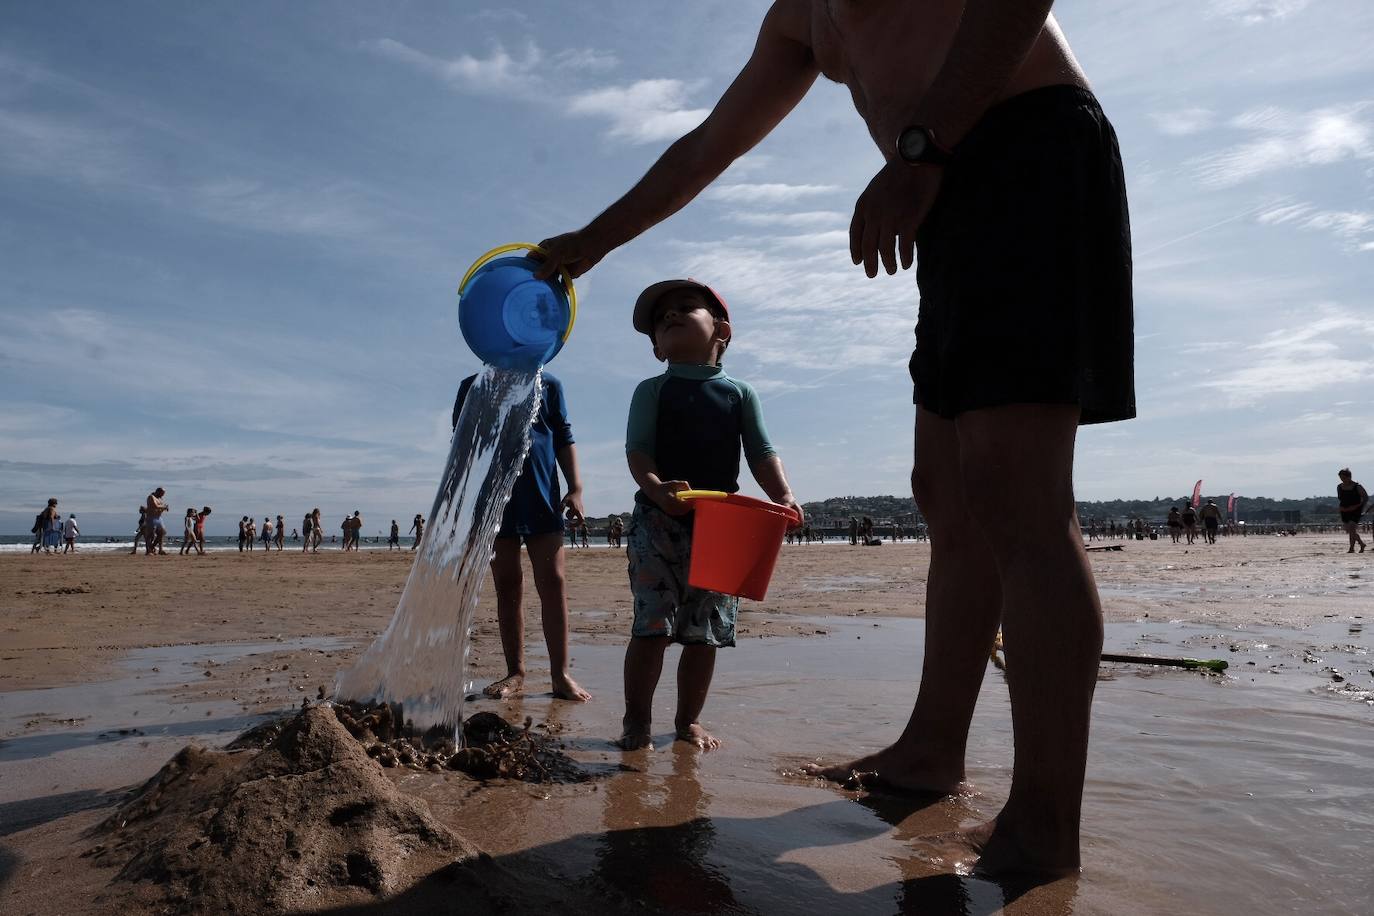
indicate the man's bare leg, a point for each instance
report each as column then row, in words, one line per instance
column 546, row 559
column 694, row 672
column 1017, row 463
column 643, row 665
column 506, row 575
column 962, row 612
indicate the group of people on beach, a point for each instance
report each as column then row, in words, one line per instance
column 50, row 532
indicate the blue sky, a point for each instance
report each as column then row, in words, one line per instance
column 230, row 236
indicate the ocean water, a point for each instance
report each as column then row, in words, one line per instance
column 420, row 661
column 11, row 544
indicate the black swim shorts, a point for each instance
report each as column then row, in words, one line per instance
column 1350, row 516
column 1024, row 265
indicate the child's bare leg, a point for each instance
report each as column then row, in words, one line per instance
column 694, row 671
column 643, row 665
column 546, row 558
column 963, row 607
column 509, row 582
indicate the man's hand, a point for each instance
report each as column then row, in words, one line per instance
column 790, row 502
column 572, row 505
column 574, row 252
column 662, row 495
column 889, row 212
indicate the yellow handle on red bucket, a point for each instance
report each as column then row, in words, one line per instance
column 720, row 495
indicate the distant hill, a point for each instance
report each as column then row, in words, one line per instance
column 837, row 510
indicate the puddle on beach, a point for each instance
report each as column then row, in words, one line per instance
column 135, row 704
column 1257, row 785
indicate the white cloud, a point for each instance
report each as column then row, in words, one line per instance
column 801, row 220
column 328, row 211
column 589, row 59
column 1353, row 228
column 1329, row 350
column 62, row 148
column 1183, row 122
column 1252, row 12
column 642, row 112
column 766, row 193
column 1287, row 140
column 499, row 72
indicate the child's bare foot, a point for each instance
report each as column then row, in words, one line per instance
column 565, row 688
column 508, row 686
column 699, row 737
column 635, row 736
column 892, row 768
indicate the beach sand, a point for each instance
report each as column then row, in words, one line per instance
column 109, row 664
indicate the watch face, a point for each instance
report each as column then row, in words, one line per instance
column 912, row 144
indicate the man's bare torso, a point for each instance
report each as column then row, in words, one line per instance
column 888, row 52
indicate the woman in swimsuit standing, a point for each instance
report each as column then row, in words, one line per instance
column 1353, row 499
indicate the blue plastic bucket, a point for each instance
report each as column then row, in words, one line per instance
column 509, row 318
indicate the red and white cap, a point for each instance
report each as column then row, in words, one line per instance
column 644, row 305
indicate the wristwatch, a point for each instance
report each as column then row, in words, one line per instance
column 917, row 146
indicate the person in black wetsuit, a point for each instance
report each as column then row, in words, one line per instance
column 1354, row 500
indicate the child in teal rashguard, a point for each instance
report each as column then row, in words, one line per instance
column 686, row 430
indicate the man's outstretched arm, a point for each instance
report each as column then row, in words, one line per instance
column 775, row 79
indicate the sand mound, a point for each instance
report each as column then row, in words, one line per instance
column 309, row 822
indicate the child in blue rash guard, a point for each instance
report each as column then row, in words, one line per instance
column 535, row 515
column 685, row 432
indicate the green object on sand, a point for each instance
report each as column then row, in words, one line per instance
column 1215, row 665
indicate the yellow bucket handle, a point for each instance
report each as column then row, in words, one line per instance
column 686, row 495
column 526, row 246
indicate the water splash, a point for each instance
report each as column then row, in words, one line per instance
column 420, row 662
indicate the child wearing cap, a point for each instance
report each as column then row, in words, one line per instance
column 686, row 429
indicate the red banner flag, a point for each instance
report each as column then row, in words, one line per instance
column 1197, row 494
column 1231, row 506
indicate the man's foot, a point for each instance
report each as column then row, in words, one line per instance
column 509, row 686
column 635, row 738
column 894, row 769
column 698, row 737
column 565, row 688
column 994, row 849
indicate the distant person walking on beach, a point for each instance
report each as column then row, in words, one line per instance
column 188, row 533
column 393, row 542
column 417, row 526
column 141, row 534
column 318, row 521
column 535, row 515
column 853, row 531
column 1175, row 524
column 1024, row 333
column 686, row 430
column 70, row 532
column 1353, row 501
column 250, row 532
column 267, row 529
column 308, row 526
column 1211, row 520
column 201, row 516
column 280, row 539
column 614, row 530
column 1190, row 522
column 51, row 527
column 243, row 533
column 156, row 529
column 355, row 525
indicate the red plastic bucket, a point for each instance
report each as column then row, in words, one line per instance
column 735, row 542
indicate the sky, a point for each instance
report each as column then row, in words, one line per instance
column 231, row 235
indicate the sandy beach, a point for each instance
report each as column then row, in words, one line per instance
column 109, row 664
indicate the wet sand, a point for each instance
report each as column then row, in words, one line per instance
column 1251, row 792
